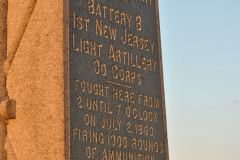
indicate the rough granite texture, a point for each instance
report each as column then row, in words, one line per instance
column 35, row 80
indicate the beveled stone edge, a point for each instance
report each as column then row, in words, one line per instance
column 162, row 84
column 66, row 78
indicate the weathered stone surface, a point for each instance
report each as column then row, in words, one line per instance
column 35, row 80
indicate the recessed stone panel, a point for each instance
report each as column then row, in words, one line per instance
column 117, row 107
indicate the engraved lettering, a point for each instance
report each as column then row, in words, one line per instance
column 138, row 22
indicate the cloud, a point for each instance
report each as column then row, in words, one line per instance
column 235, row 101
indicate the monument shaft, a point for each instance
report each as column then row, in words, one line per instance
column 87, row 78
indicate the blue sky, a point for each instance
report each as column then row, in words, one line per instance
column 201, row 63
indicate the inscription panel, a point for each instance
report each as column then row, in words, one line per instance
column 116, row 102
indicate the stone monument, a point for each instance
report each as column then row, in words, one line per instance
column 81, row 79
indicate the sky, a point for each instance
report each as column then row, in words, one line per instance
column 201, row 65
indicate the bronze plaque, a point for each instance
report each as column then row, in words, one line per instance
column 117, row 109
